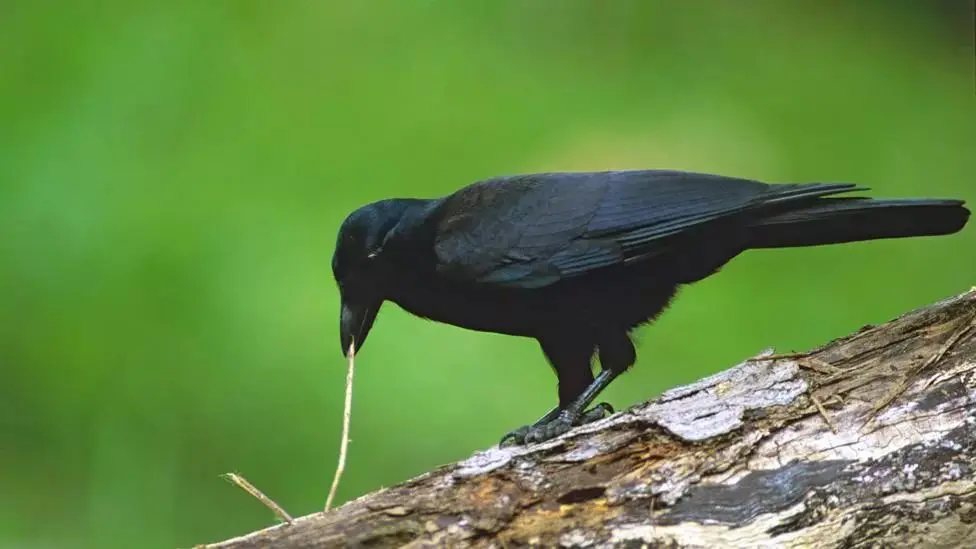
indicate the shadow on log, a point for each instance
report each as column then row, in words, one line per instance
column 869, row 441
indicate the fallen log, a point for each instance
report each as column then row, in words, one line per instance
column 868, row 441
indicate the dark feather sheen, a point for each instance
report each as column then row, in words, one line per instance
column 531, row 231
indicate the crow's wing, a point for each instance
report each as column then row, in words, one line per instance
column 531, row 231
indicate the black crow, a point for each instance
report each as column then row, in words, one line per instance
column 579, row 260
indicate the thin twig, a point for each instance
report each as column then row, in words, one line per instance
column 906, row 381
column 823, row 412
column 949, row 344
column 245, row 485
column 346, row 414
column 803, row 360
column 817, row 365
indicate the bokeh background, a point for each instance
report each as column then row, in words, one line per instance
column 172, row 176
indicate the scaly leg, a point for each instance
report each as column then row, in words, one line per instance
column 577, row 388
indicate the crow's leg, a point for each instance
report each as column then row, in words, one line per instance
column 617, row 354
column 596, row 413
column 570, row 358
column 550, row 415
column 573, row 414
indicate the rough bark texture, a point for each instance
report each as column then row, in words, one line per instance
column 869, row 441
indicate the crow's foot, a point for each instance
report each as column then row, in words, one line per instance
column 516, row 437
column 541, row 432
column 596, row 413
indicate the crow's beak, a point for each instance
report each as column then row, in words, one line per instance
column 355, row 322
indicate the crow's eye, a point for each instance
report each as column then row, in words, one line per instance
column 374, row 252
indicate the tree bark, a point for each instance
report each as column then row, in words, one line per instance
column 868, row 441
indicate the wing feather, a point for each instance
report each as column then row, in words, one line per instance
column 531, row 231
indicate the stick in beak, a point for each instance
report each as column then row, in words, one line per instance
column 346, row 414
column 355, row 322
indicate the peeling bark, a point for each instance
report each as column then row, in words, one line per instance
column 869, row 441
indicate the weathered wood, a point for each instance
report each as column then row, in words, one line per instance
column 869, row 441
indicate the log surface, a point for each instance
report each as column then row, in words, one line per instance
column 868, row 441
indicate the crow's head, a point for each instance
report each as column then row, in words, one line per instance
column 360, row 267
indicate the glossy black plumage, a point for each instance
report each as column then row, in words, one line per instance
column 578, row 260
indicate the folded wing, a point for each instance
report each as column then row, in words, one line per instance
column 534, row 230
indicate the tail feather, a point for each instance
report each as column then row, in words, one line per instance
column 795, row 192
column 846, row 219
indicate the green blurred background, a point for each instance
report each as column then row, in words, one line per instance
column 172, row 177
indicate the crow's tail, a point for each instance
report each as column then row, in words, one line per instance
column 841, row 219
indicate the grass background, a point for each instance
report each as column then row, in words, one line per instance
column 172, row 176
